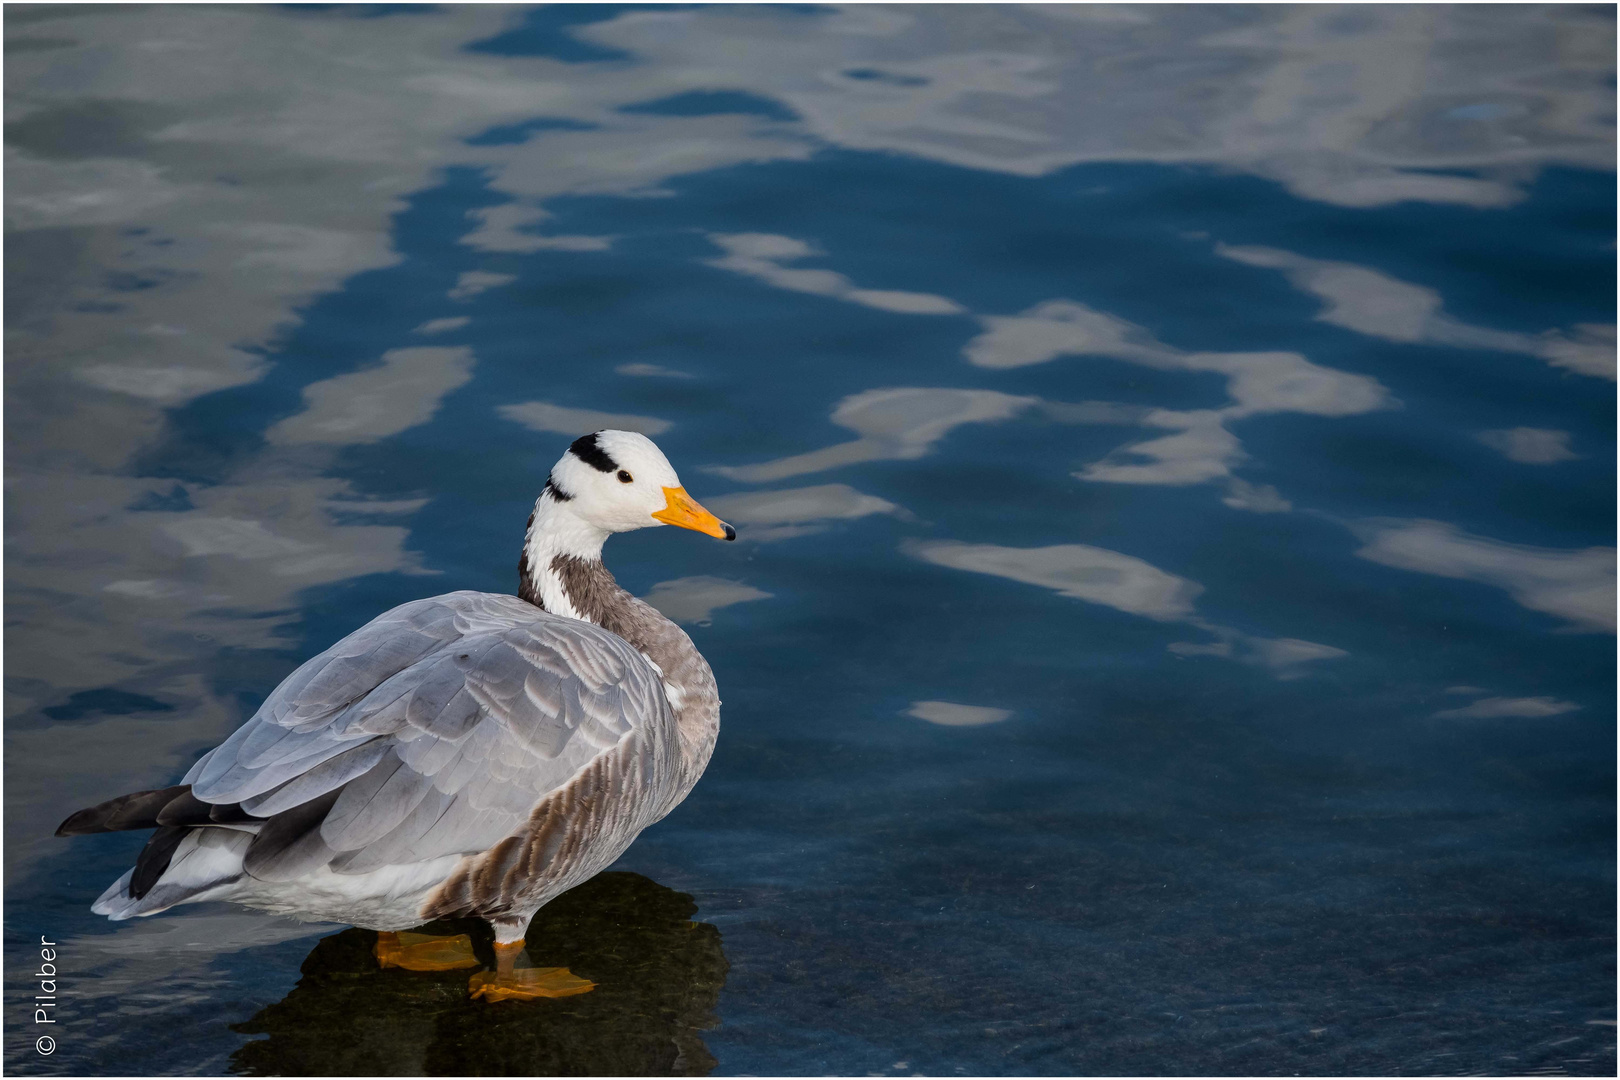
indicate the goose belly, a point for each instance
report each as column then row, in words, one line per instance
column 388, row 898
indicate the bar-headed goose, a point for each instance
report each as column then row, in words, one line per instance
column 471, row 754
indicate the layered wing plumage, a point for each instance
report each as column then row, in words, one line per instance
column 433, row 730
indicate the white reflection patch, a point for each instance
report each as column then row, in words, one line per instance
column 1258, row 498
column 1281, row 656
column 1057, row 328
column 764, row 516
column 1203, row 449
column 473, row 282
column 231, row 536
column 145, row 590
column 543, row 416
column 651, row 371
column 895, row 424
column 1347, row 114
column 1373, row 303
column 442, row 326
column 761, row 255
column 1258, row 382
column 173, row 384
column 1530, row 446
column 950, row 714
column 696, row 599
column 371, row 405
column 1497, row 707
column 1093, row 574
column 500, row 232
column 1127, row 584
column 1578, row 585
column 1274, row 382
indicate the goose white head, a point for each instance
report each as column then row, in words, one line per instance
column 608, row 482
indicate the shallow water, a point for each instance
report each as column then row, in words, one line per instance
column 1172, row 624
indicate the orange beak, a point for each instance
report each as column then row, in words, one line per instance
column 683, row 510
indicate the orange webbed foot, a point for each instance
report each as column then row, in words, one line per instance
column 424, row 952
column 526, row 984
column 509, row 981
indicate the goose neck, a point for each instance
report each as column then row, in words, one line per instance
column 559, row 545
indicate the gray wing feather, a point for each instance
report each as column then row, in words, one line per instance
column 228, row 780
column 435, row 729
column 330, row 774
column 398, row 844
column 355, row 666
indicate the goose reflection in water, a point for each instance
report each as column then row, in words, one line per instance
column 657, row 978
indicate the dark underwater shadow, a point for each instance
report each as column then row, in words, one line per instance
column 658, row 977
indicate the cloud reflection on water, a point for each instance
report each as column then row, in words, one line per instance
column 170, row 245
column 950, row 714
column 904, row 424
column 1124, row 583
column 544, row 416
column 1373, row 303
column 900, row 424
column 1356, row 107
column 651, row 371
column 370, row 405
column 177, row 238
column 248, row 206
column 506, row 228
column 1530, row 446
column 1575, row 585
column 472, row 282
column 442, row 326
column 1203, row 448
column 1259, row 382
column 764, row 516
column 761, row 255
column 696, row 599
column 1093, row 574
column 1495, row 708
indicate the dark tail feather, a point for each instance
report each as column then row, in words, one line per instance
column 149, row 809
column 154, row 858
column 187, row 809
column 290, row 843
column 143, row 810
column 137, row 810
column 172, row 811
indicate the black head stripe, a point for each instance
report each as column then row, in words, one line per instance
column 554, row 491
column 586, row 449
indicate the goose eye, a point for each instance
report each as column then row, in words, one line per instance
column 624, row 477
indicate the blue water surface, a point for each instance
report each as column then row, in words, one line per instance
column 1285, row 748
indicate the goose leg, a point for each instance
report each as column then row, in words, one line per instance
column 424, row 952
column 513, row 977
